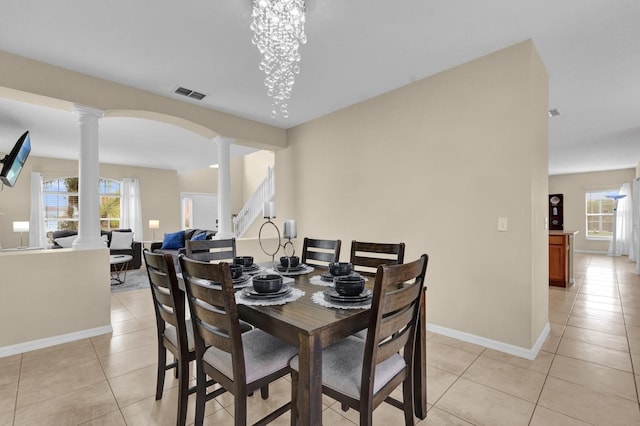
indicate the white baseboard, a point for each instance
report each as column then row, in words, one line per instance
column 52, row 341
column 494, row 344
column 590, row 251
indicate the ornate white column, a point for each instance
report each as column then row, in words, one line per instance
column 225, row 229
column 89, row 221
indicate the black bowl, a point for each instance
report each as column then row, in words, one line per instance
column 243, row 260
column 340, row 268
column 349, row 285
column 289, row 261
column 267, row 283
column 236, row 271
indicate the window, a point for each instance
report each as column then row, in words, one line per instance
column 61, row 204
column 599, row 215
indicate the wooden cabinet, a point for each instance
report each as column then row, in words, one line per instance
column 561, row 258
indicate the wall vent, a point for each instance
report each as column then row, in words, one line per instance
column 189, row 93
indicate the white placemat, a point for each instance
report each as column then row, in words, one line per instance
column 295, row 294
column 306, row 270
column 318, row 298
column 317, row 280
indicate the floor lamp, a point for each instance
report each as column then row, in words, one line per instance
column 615, row 198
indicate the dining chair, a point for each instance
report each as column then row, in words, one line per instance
column 366, row 257
column 175, row 333
column 362, row 374
column 208, row 250
column 239, row 363
column 320, row 252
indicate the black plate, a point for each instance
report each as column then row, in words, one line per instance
column 300, row 267
column 252, row 268
column 243, row 278
column 252, row 294
column 333, row 296
column 327, row 276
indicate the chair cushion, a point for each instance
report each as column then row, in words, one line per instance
column 342, row 367
column 171, row 334
column 264, row 354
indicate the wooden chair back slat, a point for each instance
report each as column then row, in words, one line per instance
column 392, row 346
column 211, row 250
column 398, row 299
column 394, row 322
column 366, row 257
column 320, row 252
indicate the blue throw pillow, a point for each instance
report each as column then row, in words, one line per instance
column 173, row 241
column 199, row 236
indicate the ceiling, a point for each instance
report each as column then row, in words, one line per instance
column 356, row 49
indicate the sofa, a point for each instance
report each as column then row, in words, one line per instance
column 65, row 238
column 175, row 243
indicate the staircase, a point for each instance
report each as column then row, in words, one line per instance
column 255, row 204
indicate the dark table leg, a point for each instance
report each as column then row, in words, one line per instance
column 310, row 381
column 420, row 363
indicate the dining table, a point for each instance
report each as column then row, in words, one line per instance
column 312, row 327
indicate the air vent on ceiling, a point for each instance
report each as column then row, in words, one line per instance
column 554, row 112
column 189, row 93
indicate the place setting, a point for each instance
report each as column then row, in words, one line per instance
column 268, row 289
column 290, row 266
column 248, row 267
column 335, row 269
column 348, row 293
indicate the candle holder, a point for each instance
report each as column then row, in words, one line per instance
column 290, row 233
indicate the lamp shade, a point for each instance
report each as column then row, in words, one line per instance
column 21, row 226
column 154, row 224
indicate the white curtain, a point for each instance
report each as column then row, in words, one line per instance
column 634, row 247
column 623, row 223
column 37, row 232
column 130, row 209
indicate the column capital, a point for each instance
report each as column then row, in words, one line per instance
column 85, row 111
column 224, row 140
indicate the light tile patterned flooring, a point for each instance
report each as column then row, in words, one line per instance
column 588, row 372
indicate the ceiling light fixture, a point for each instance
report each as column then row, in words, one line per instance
column 554, row 112
column 278, row 31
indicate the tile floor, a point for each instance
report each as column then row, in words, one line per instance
column 588, row 372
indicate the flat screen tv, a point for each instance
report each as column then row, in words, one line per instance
column 12, row 163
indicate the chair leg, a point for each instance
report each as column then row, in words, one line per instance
column 294, row 398
column 201, row 393
column 240, row 410
column 162, row 364
column 264, row 392
column 407, row 396
column 344, row 407
column 183, row 391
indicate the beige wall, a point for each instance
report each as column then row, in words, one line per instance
column 66, row 297
column 159, row 193
column 574, row 186
column 434, row 164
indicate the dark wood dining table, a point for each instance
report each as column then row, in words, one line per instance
column 311, row 328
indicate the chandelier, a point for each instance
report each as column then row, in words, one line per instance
column 278, row 31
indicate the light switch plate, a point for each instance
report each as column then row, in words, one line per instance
column 502, row 224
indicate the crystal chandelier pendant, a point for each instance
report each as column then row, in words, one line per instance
column 278, row 32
